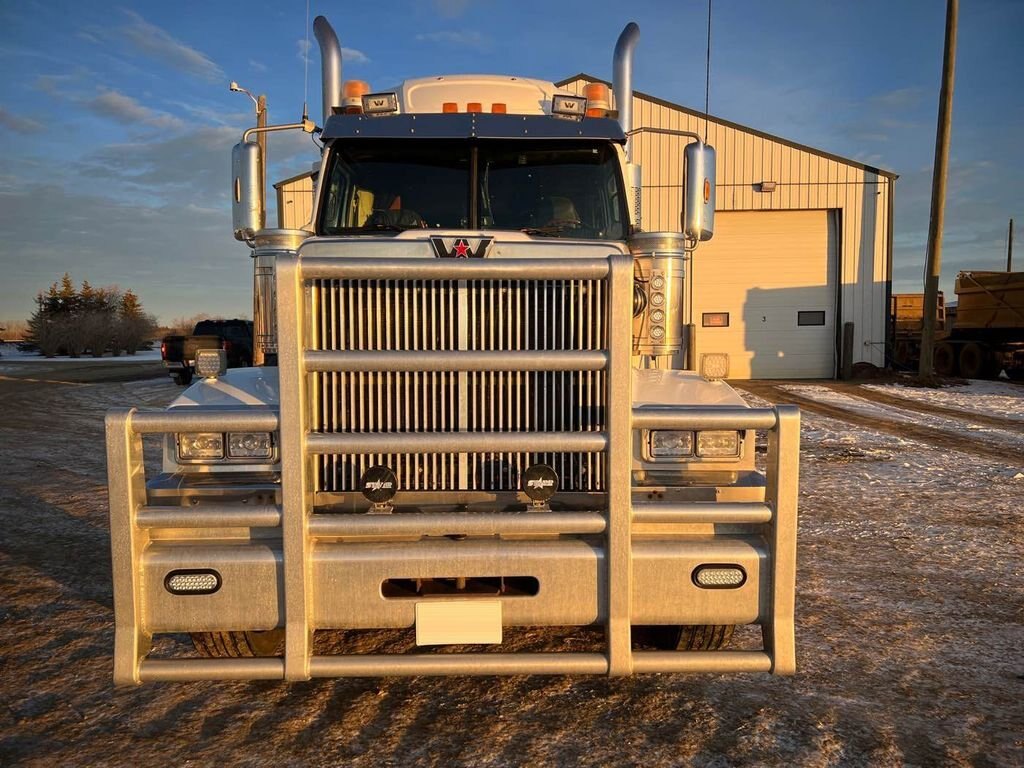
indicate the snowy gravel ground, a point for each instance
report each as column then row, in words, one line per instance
column 1004, row 398
column 1011, row 436
column 910, row 625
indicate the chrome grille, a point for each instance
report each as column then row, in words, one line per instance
column 416, row 315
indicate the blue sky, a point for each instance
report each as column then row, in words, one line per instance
column 116, row 122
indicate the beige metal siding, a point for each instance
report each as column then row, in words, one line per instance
column 295, row 202
column 804, row 180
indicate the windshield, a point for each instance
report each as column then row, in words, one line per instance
column 546, row 189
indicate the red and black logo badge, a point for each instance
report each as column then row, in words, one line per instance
column 461, row 247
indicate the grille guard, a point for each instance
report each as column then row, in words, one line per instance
column 134, row 521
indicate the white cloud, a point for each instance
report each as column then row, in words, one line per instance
column 354, row 55
column 117, row 106
column 348, row 55
column 158, row 44
column 19, row 124
column 465, row 38
column 256, row 66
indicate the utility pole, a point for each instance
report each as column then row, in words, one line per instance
column 1009, row 249
column 261, row 138
column 934, row 256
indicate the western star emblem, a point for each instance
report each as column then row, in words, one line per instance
column 461, row 247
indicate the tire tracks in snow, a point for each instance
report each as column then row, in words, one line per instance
column 940, row 438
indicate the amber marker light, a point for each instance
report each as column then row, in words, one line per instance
column 498, row 108
column 474, row 106
column 352, row 96
column 598, row 100
column 449, row 107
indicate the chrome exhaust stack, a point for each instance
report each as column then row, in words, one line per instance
column 622, row 86
column 330, row 65
column 622, row 80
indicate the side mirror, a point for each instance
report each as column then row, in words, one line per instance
column 699, row 188
column 248, row 212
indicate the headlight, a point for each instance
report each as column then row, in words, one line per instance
column 201, row 445
column 250, row 445
column 724, row 444
column 671, row 444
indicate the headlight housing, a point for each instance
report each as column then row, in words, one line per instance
column 664, row 445
column 225, row 448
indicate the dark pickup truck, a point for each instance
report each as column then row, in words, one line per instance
column 233, row 336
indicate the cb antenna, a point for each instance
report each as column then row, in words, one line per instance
column 707, row 77
column 305, row 72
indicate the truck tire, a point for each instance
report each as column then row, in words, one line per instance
column 976, row 361
column 689, row 637
column 237, row 645
column 944, row 360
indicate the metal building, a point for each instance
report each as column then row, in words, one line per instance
column 802, row 245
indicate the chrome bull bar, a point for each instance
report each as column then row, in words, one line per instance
column 134, row 520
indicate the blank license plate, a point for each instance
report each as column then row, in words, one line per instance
column 458, row 622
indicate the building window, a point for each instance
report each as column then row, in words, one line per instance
column 715, row 320
column 816, row 317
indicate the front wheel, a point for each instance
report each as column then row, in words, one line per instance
column 689, row 637
column 238, row 645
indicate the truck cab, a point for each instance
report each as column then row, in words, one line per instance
column 475, row 414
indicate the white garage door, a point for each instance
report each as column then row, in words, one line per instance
column 764, row 293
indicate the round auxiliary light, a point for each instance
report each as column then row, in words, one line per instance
column 658, row 316
column 657, row 282
column 657, row 299
column 540, row 482
column 378, row 485
column 657, row 333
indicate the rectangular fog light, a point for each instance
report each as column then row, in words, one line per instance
column 200, row 445
column 250, row 445
column 718, row 444
column 670, row 444
column 211, row 363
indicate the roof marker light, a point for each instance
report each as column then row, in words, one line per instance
column 474, row 106
column 568, row 107
column 449, row 107
column 380, row 103
column 498, row 108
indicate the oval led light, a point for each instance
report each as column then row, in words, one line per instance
column 719, row 576
column 204, row 581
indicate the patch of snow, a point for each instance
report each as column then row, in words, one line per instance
column 9, row 353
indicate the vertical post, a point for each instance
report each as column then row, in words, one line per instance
column 618, row 467
column 781, row 492
column 261, row 139
column 126, row 481
column 938, row 210
column 296, row 470
column 847, row 352
column 1009, row 249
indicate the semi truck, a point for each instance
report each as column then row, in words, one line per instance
column 471, row 415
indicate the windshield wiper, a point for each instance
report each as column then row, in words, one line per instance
column 553, row 231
